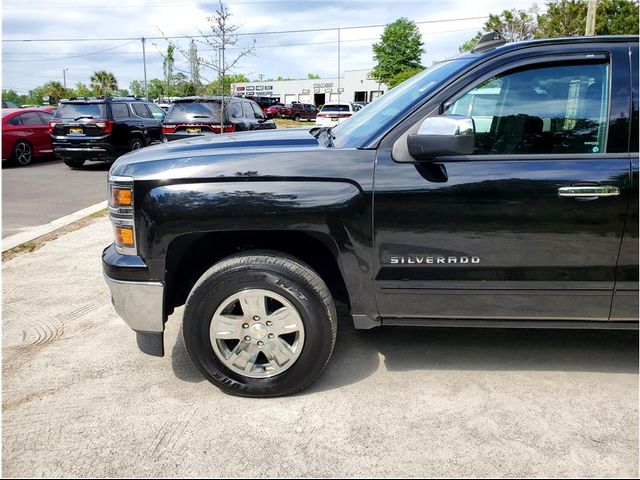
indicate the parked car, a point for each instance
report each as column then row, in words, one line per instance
column 331, row 114
column 274, row 111
column 103, row 128
column 404, row 216
column 9, row 104
column 25, row 135
column 200, row 116
column 300, row 111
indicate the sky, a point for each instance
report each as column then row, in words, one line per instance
column 96, row 28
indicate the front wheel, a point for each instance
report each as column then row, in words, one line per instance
column 260, row 324
column 135, row 143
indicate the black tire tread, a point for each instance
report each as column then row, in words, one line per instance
column 250, row 259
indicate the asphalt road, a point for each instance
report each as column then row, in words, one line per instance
column 79, row 399
column 47, row 190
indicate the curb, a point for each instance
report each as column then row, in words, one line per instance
column 36, row 232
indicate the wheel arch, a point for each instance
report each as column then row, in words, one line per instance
column 189, row 256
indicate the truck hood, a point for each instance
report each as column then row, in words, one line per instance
column 222, row 144
column 269, row 155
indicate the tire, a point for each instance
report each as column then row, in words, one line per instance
column 73, row 162
column 286, row 282
column 136, row 143
column 296, row 118
column 22, row 153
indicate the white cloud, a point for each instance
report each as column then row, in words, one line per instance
column 35, row 19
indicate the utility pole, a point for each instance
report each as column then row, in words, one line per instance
column 64, row 77
column 591, row 18
column 144, row 63
column 338, row 67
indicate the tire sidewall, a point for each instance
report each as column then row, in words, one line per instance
column 207, row 297
column 133, row 142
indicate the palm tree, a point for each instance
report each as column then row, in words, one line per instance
column 103, row 82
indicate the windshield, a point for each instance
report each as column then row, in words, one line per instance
column 194, row 112
column 385, row 111
column 335, row 108
column 81, row 110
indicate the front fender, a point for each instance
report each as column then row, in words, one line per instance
column 337, row 209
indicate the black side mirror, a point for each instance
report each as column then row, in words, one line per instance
column 442, row 136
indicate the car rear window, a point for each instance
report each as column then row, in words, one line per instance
column 81, row 110
column 194, row 112
column 335, row 108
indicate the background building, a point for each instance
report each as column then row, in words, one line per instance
column 353, row 86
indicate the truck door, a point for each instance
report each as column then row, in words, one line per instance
column 529, row 226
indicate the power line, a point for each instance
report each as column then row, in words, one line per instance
column 329, row 42
column 184, row 37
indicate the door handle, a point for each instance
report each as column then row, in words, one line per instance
column 589, row 191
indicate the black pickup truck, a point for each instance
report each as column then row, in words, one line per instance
column 495, row 189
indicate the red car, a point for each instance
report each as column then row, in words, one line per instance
column 25, row 135
column 273, row 111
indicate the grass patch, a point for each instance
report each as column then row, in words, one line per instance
column 40, row 241
column 286, row 123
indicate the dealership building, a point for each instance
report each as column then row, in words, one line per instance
column 353, row 86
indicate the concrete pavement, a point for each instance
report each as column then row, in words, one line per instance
column 80, row 400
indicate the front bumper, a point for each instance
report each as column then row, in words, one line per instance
column 139, row 303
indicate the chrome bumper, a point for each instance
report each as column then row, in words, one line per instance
column 140, row 304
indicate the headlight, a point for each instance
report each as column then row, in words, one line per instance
column 121, row 214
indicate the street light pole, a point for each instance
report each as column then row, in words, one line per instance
column 64, row 77
column 338, row 67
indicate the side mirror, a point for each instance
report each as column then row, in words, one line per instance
column 442, row 136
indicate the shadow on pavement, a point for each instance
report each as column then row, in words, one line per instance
column 358, row 353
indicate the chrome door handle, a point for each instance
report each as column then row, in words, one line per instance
column 589, row 191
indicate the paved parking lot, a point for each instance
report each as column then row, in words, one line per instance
column 47, row 190
column 79, row 399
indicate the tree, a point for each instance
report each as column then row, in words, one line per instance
column 136, row 88
column 155, row 88
column 399, row 49
column 567, row 18
column 103, row 82
column 194, row 66
column 312, row 76
column 81, row 90
column 13, row 96
column 218, row 88
column 167, row 68
column 402, row 76
column 221, row 37
column 55, row 91
column 513, row 25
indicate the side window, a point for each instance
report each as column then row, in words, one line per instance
column 31, row 119
column 15, row 120
column 156, row 111
column 120, row 110
column 247, row 111
column 550, row 109
column 141, row 110
column 45, row 117
column 257, row 111
column 235, row 110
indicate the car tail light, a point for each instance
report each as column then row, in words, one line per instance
column 105, row 125
column 226, row 129
column 167, row 128
column 52, row 125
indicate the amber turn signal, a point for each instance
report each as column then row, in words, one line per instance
column 124, row 236
column 121, row 197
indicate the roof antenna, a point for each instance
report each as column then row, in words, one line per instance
column 488, row 42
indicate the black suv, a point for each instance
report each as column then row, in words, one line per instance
column 195, row 116
column 103, row 128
